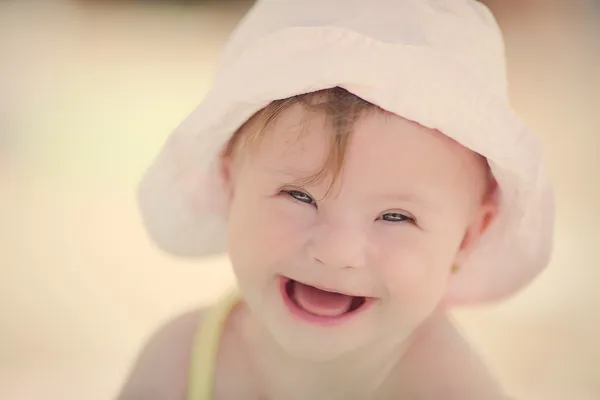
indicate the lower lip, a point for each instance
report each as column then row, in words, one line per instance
column 316, row 319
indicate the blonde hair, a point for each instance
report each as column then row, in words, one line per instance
column 341, row 108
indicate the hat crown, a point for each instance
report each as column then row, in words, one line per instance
column 463, row 31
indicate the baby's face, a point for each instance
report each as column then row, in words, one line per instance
column 406, row 207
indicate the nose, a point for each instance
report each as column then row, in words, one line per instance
column 338, row 246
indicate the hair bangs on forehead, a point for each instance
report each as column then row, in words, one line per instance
column 341, row 109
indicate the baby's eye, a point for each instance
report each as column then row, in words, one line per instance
column 396, row 217
column 300, row 196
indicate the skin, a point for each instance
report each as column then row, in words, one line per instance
column 408, row 204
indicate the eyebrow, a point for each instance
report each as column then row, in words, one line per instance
column 399, row 197
column 404, row 198
column 290, row 173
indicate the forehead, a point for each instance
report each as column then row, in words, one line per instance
column 383, row 146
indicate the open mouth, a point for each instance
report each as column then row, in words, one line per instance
column 319, row 305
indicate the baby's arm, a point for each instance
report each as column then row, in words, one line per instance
column 161, row 369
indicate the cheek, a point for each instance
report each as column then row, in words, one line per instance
column 414, row 265
column 266, row 230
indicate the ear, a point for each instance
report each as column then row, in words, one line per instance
column 482, row 219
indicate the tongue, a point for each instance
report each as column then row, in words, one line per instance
column 320, row 302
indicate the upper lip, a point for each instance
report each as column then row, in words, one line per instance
column 327, row 288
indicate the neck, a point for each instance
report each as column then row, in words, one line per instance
column 361, row 374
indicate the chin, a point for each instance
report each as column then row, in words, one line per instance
column 316, row 343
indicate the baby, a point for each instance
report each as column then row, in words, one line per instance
column 360, row 164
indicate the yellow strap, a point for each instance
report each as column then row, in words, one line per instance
column 206, row 347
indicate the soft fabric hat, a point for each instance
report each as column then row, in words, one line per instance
column 439, row 63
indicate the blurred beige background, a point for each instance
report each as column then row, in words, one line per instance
column 88, row 92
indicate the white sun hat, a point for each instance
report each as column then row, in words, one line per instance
column 439, row 63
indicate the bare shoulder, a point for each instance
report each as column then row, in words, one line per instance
column 454, row 369
column 160, row 371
